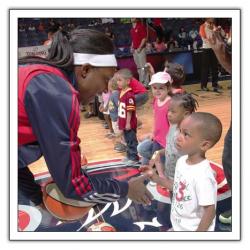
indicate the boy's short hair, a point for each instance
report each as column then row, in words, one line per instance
column 125, row 73
column 210, row 126
column 177, row 73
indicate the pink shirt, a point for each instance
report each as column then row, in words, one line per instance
column 105, row 98
column 160, row 46
column 161, row 123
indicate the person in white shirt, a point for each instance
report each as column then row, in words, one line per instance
column 194, row 187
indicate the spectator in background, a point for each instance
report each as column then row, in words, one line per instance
column 208, row 58
column 193, row 37
column 70, row 26
column 108, row 32
column 32, row 27
column 159, row 45
column 172, row 43
column 149, row 48
column 157, row 25
column 41, row 27
column 182, row 38
column 22, row 28
column 138, row 34
column 51, row 31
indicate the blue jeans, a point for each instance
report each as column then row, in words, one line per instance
column 131, row 140
column 146, row 149
column 141, row 99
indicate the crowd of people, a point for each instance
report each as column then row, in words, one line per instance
column 80, row 68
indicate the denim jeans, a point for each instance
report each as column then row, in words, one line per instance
column 131, row 140
column 146, row 150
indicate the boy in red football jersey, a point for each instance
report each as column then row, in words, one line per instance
column 127, row 120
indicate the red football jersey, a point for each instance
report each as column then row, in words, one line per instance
column 127, row 104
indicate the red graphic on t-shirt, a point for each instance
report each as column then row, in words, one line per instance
column 180, row 194
column 163, row 191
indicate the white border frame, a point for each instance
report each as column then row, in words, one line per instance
column 117, row 13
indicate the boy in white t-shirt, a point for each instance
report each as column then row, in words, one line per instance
column 194, row 187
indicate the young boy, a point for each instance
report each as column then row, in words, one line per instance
column 194, row 186
column 127, row 120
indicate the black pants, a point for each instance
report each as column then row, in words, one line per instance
column 227, row 156
column 28, row 189
column 209, row 61
column 27, row 186
column 131, row 140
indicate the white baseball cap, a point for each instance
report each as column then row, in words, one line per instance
column 160, row 77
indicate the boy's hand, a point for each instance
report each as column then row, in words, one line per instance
column 149, row 172
column 128, row 127
column 138, row 192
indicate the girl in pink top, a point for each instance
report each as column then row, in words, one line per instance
column 161, row 89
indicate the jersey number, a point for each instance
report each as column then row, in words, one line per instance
column 122, row 110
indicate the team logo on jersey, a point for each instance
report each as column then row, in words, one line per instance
column 131, row 101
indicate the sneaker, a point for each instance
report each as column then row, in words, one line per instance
column 226, row 217
column 127, row 161
column 106, row 126
column 88, row 115
column 204, row 89
column 219, row 86
column 110, row 135
column 124, row 160
column 217, row 90
column 131, row 162
column 119, row 147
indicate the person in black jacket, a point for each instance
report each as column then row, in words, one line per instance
column 79, row 66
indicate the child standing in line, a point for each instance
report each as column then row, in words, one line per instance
column 161, row 89
column 127, row 120
column 113, row 112
column 194, row 187
column 181, row 105
column 139, row 90
column 105, row 110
